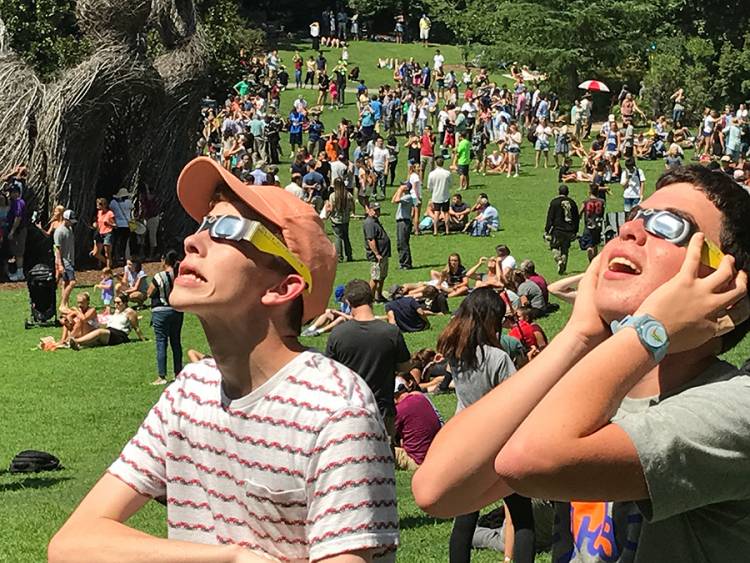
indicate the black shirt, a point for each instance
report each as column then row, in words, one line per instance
column 373, row 230
column 373, row 349
column 457, row 277
column 406, row 313
column 562, row 215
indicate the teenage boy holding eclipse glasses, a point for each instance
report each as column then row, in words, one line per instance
column 628, row 415
column 267, row 450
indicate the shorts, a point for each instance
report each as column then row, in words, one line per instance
column 463, row 170
column 443, row 206
column 117, row 337
column 104, row 238
column 379, row 270
column 514, row 150
column 630, row 202
column 541, row 145
column 69, row 272
column 295, row 138
column 17, row 245
column 590, row 238
column 424, row 34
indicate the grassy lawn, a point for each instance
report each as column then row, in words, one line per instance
column 84, row 406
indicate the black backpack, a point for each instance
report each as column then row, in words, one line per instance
column 33, row 461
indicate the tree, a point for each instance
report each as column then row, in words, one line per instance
column 45, row 33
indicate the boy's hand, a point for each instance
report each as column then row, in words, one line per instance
column 585, row 321
column 690, row 306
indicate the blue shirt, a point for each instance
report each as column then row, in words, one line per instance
column 377, row 107
column 295, row 122
column 367, row 119
column 314, row 178
column 314, row 130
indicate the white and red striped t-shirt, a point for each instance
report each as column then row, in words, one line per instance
column 300, row 469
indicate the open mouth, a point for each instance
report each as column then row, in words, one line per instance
column 622, row 265
column 187, row 273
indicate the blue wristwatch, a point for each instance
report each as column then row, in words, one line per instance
column 651, row 333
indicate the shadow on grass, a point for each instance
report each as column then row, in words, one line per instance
column 418, row 521
column 32, row 483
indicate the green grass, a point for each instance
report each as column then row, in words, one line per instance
column 84, row 406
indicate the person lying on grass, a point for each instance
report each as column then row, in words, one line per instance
column 267, row 450
column 628, row 414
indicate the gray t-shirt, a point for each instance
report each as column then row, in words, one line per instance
column 494, row 367
column 694, row 448
column 64, row 240
column 533, row 293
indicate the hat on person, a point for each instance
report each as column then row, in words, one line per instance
column 399, row 385
column 374, row 205
column 69, row 215
column 739, row 174
column 611, row 117
column 301, row 227
column 123, row 192
column 726, row 158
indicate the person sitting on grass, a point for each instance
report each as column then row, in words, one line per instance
column 410, row 314
column 134, row 283
column 428, row 369
column 119, row 324
column 458, row 213
column 77, row 321
column 332, row 317
column 530, row 294
column 417, row 423
column 495, row 163
column 455, row 276
column 486, row 221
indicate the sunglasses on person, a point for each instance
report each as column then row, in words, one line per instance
column 231, row 227
column 677, row 229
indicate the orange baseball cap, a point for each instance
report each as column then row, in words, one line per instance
column 301, row 227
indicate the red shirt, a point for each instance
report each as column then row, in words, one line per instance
column 542, row 283
column 426, row 146
column 524, row 332
column 417, row 423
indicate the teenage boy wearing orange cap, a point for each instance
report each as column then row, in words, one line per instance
column 268, row 450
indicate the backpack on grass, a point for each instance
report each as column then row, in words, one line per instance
column 33, row 461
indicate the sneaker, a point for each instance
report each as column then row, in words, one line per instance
column 561, row 268
column 515, row 175
column 309, row 331
column 159, row 381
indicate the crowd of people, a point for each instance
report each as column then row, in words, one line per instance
column 263, row 445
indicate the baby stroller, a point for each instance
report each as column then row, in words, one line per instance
column 42, row 286
column 40, row 279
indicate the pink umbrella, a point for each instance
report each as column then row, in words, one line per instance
column 593, row 86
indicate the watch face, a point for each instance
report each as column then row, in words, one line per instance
column 655, row 335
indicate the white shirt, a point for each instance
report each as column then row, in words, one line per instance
column 379, row 158
column 295, row 190
column 632, row 183
column 508, row 263
column 438, row 61
column 543, row 133
column 470, row 108
column 439, row 183
column 272, row 469
column 416, row 185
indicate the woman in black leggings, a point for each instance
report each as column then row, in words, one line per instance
column 477, row 363
column 522, row 518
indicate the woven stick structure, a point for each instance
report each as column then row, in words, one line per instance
column 118, row 119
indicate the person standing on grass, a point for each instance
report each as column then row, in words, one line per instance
column 634, row 181
column 296, row 119
column 65, row 254
column 462, row 160
column 439, row 186
column 405, row 201
column 370, row 347
column 377, row 249
column 340, row 208
column 427, row 151
column 478, row 364
column 592, row 212
column 380, row 165
column 16, row 229
column 104, row 225
column 166, row 320
column 562, row 226
column 259, row 264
